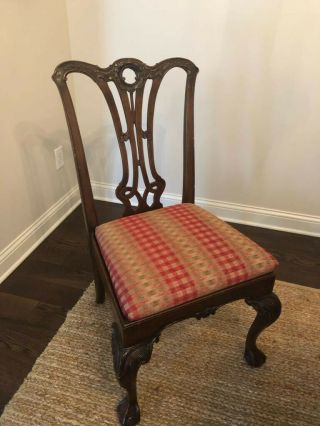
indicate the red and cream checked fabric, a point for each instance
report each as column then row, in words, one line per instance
column 169, row 256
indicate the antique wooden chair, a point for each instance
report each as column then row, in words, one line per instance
column 161, row 265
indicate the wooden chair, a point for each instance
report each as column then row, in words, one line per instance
column 161, row 265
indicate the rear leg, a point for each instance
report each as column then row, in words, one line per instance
column 268, row 311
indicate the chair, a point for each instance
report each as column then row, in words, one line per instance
column 161, row 265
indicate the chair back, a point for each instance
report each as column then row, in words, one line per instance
column 141, row 154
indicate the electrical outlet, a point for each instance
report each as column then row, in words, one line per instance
column 58, row 154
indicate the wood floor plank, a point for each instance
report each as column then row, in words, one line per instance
column 26, row 327
column 298, row 255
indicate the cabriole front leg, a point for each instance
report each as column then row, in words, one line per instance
column 268, row 310
column 127, row 362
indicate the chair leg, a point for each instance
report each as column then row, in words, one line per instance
column 268, row 310
column 99, row 287
column 100, row 290
column 127, row 362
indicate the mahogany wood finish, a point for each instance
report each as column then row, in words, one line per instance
column 268, row 310
column 127, row 362
column 133, row 341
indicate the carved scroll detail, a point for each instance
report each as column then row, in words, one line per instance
column 132, row 96
column 207, row 312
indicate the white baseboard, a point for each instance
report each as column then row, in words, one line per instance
column 15, row 252
column 233, row 212
column 263, row 217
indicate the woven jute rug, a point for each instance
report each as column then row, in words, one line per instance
column 196, row 375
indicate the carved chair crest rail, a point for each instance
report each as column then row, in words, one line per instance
column 160, row 265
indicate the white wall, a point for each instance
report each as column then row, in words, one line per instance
column 257, row 107
column 34, row 196
column 257, row 98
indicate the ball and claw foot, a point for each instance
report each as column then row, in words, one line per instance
column 128, row 414
column 254, row 358
column 268, row 310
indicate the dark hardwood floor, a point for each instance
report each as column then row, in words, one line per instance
column 299, row 255
column 35, row 298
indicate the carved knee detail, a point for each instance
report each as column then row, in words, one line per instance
column 268, row 311
column 127, row 362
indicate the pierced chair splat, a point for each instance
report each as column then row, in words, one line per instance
column 160, row 265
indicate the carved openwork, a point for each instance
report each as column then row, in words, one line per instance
column 140, row 140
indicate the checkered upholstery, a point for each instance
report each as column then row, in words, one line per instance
column 169, row 256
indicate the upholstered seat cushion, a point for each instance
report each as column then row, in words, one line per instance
column 169, row 256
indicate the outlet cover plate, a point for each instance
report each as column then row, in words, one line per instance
column 58, row 154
